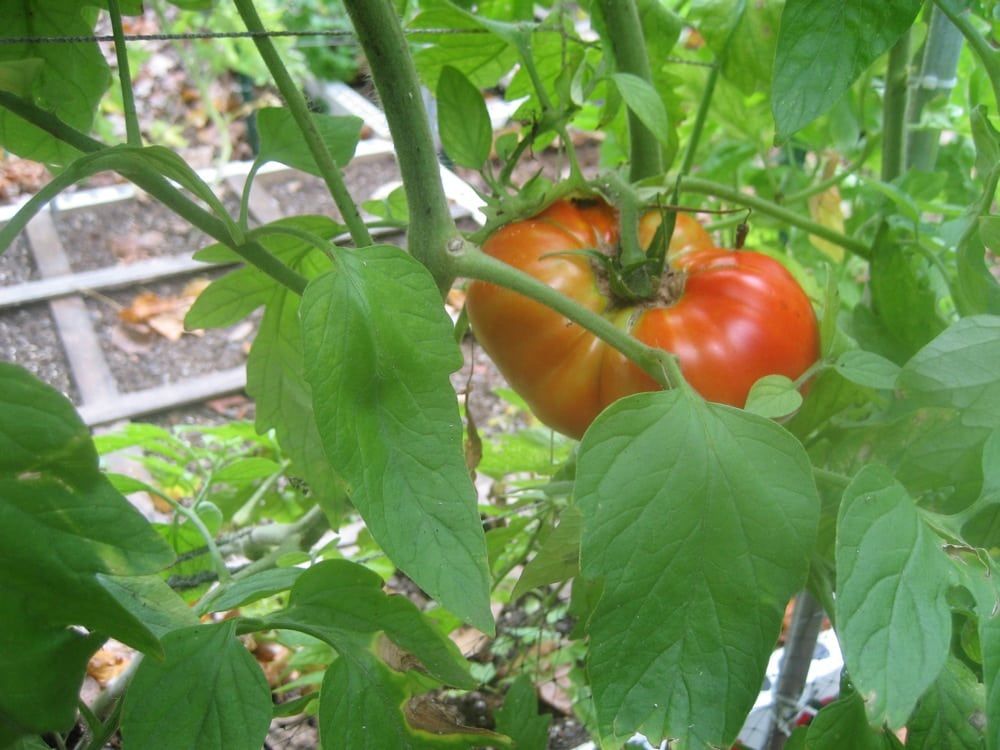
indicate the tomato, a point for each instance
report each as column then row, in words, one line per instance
column 740, row 316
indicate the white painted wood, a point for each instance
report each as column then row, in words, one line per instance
column 89, row 368
column 164, row 397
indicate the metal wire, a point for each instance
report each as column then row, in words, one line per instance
column 337, row 36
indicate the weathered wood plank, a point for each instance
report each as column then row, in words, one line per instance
column 164, row 397
column 112, row 277
column 89, row 368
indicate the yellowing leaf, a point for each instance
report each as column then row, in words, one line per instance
column 826, row 210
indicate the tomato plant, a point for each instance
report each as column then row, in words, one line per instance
column 731, row 317
column 863, row 140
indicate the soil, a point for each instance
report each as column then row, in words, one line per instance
column 127, row 231
column 17, row 264
column 307, row 194
column 28, row 338
column 143, row 360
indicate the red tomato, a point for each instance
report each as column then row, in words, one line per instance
column 738, row 317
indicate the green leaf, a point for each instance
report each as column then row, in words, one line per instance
column 463, row 122
column 234, row 296
column 538, row 451
column 258, row 586
column 151, row 601
column 40, row 431
column 18, row 76
column 958, row 369
column 364, row 705
column 892, row 617
column 61, row 521
column 559, row 557
column 989, row 232
column 282, row 141
column 341, row 602
column 987, row 140
column 129, row 161
column 773, row 396
column 173, row 166
column 903, row 299
column 42, row 667
column 484, row 58
column 743, row 36
column 229, row 299
column 642, row 99
column 289, row 248
column 72, row 79
column 682, row 501
column 979, row 574
column 951, row 714
column 978, row 290
column 384, row 643
column 28, row 743
column 823, row 46
column 209, row 692
column 246, row 470
column 276, row 382
column 843, row 724
column 394, row 207
column 980, row 523
column 275, row 368
column 379, row 366
column 519, row 719
column 868, row 369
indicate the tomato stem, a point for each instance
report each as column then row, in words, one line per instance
column 296, row 103
column 160, row 188
column 132, row 133
column 707, row 187
column 988, row 56
column 472, row 263
column 937, row 77
column 894, row 110
column 636, row 280
column 387, row 51
column 628, row 47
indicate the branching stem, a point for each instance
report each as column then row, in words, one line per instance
column 629, row 49
column 299, row 109
column 707, row 187
column 431, row 225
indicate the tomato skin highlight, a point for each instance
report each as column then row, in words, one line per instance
column 741, row 316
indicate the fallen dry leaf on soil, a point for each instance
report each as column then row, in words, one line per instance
column 164, row 315
column 108, row 663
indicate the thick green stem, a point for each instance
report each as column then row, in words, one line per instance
column 707, row 187
column 660, row 365
column 700, row 118
column 938, row 76
column 807, row 619
column 132, row 132
column 629, row 49
column 894, row 110
column 431, row 225
column 297, row 105
column 988, row 56
column 637, row 278
column 161, row 189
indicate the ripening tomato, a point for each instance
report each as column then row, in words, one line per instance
column 734, row 316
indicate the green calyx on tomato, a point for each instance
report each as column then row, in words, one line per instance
column 730, row 316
